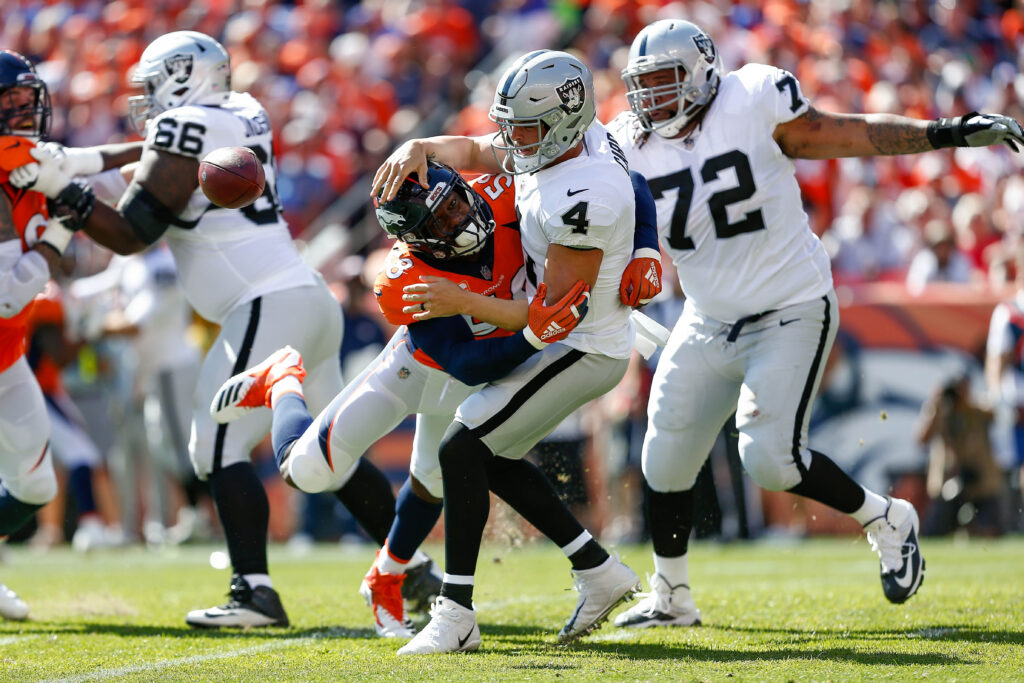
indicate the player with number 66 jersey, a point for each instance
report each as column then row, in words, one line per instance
column 238, row 268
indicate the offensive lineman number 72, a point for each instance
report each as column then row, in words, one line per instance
column 718, row 203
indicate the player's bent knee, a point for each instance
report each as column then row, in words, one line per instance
column 769, row 470
column 36, row 488
column 668, row 472
column 459, row 445
column 309, row 471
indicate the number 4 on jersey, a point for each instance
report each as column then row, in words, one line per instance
column 577, row 218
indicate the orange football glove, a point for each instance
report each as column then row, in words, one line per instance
column 14, row 152
column 548, row 324
column 641, row 281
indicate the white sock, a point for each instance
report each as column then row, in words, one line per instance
column 418, row 558
column 574, row 546
column 289, row 384
column 672, row 569
column 388, row 563
column 457, row 579
column 258, row 580
column 874, row 507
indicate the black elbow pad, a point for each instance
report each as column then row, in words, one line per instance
column 147, row 215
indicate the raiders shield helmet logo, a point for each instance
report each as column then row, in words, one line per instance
column 572, row 95
column 179, row 67
column 706, row 47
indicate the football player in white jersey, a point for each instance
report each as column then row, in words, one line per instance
column 760, row 314
column 239, row 269
column 576, row 206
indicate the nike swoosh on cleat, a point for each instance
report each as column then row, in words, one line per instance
column 573, row 193
column 905, row 577
column 462, row 641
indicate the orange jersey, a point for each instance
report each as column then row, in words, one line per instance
column 494, row 273
column 29, row 212
column 46, row 309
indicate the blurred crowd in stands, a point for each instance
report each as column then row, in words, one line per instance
column 345, row 81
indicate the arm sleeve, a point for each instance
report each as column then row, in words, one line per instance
column 645, row 235
column 1000, row 339
column 471, row 361
column 25, row 277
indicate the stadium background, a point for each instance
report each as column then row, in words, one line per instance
column 344, row 82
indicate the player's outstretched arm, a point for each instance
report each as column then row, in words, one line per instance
column 159, row 191
column 441, row 298
column 84, row 161
column 825, row 135
column 410, row 159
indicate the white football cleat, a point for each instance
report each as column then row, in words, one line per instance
column 383, row 593
column 452, row 628
column 11, row 606
column 665, row 605
column 601, row 590
column 894, row 537
column 248, row 608
column 250, row 389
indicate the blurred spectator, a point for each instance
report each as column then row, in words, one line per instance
column 965, row 484
column 939, row 261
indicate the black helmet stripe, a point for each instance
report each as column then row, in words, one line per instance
column 503, row 90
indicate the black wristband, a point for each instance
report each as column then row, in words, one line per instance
column 948, row 132
column 75, row 202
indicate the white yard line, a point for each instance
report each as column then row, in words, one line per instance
column 162, row 664
column 17, row 639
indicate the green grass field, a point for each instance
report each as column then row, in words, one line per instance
column 802, row 611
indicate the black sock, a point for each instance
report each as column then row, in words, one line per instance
column 14, row 513
column 524, row 487
column 670, row 516
column 825, row 482
column 244, row 513
column 368, row 496
column 589, row 556
column 194, row 489
column 460, row 593
column 466, row 499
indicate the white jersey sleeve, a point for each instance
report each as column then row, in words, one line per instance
column 228, row 257
column 730, row 213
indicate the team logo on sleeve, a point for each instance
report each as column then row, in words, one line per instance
column 572, row 95
column 706, row 47
column 179, row 67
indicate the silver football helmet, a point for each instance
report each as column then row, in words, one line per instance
column 179, row 68
column 551, row 91
column 690, row 52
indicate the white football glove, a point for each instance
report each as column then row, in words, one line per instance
column 76, row 161
column 982, row 130
column 44, row 176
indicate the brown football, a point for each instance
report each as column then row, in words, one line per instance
column 232, row 177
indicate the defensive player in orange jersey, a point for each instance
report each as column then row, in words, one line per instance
column 466, row 233
column 31, row 246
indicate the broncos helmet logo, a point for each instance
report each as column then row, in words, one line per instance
column 572, row 95
column 179, row 67
column 706, row 46
column 390, row 217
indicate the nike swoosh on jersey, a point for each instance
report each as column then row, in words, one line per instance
column 783, row 323
column 573, row 193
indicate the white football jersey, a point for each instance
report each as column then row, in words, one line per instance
column 730, row 212
column 585, row 202
column 227, row 257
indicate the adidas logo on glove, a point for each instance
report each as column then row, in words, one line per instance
column 553, row 330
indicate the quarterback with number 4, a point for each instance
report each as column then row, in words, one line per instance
column 760, row 315
column 239, row 269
